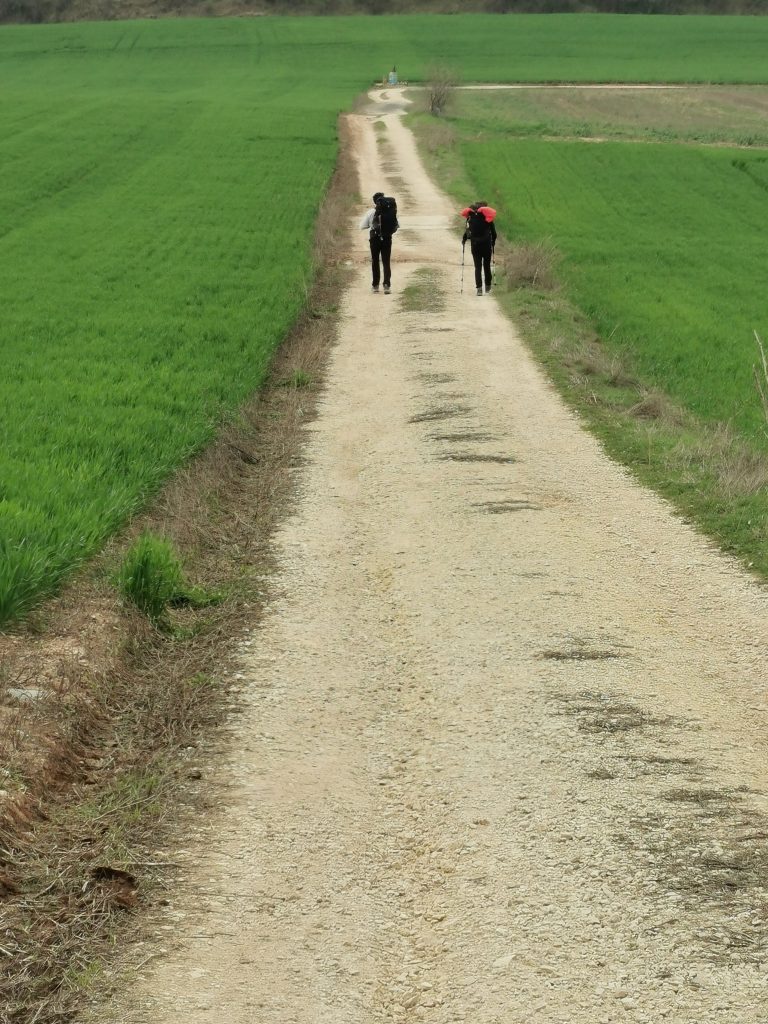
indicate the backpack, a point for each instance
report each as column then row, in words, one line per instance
column 385, row 220
column 478, row 227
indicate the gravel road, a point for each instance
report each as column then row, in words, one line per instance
column 502, row 758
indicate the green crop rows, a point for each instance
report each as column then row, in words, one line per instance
column 158, row 187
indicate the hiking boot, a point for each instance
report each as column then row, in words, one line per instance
column 487, row 288
column 479, row 291
column 386, row 289
column 375, row 289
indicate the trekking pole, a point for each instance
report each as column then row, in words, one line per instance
column 463, row 245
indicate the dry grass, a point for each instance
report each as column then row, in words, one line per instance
column 495, row 508
column 438, row 136
column 737, row 468
column 440, row 412
column 94, row 770
column 499, row 460
column 437, row 378
column 660, row 765
column 529, row 265
column 588, row 361
column 579, row 654
column 699, row 842
column 607, row 713
column 399, row 188
column 701, row 796
column 658, row 407
column 711, row 850
column 467, row 435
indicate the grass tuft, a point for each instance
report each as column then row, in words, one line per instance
column 151, row 577
column 297, row 379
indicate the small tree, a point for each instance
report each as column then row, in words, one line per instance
column 440, row 85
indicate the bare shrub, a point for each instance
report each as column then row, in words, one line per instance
column 441, row 82
column 654, row 405
column 532, row 265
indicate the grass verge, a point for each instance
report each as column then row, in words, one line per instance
column 103, row 716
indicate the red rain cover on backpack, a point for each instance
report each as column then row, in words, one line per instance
column 487, row 211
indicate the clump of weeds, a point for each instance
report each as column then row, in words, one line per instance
column 151, row 577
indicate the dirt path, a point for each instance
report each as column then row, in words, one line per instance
column 503, row 752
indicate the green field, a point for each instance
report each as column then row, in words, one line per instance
column 158, row 187
column 156, row 211
column 347, row 52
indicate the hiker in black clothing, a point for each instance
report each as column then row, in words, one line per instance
column 481, row 232
column 382, row 223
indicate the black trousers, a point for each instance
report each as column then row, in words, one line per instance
column 381, row 248
column 481, row 254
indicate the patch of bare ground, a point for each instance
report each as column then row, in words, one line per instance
column 104, row 718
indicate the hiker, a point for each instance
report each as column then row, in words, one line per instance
column 382, row 223
column 481, row 232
